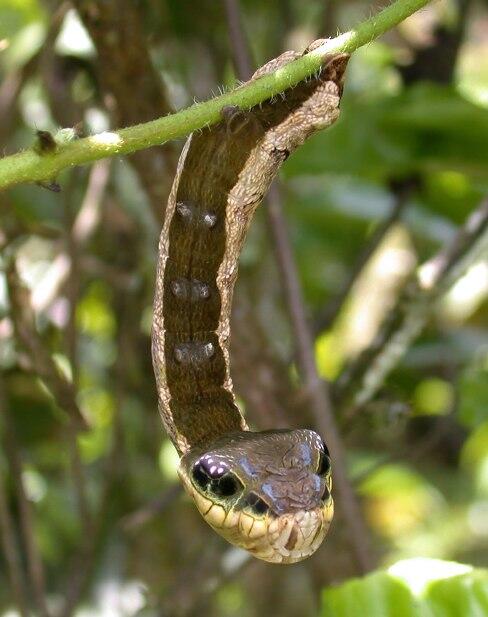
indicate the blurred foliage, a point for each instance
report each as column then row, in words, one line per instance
column 412, row 588
column 418, row 453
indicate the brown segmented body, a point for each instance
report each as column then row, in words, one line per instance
column 223, row 174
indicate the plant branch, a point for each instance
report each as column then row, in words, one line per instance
column 330, row 312
column 32, row 166
column 71, row 336
column 26, row 518
column 149, row 510
column 11, row 553
column 317, row 389
column 362, row 379
column 23, row 319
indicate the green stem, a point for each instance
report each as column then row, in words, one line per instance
column 32, row 166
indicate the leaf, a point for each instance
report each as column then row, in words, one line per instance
column 16, row 14
column 413, row 587
column 460, row 595
column 473, row 397
column 424, row 127
column 378, row 594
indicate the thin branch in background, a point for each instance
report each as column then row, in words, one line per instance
column 437, row 61
column 84, row 561
column 328, row 17
column 34, row 561
column 71, row 332
column 401, row 194
column 64, row 394
column 9, row 91
column 22, row 316
column 151, row 509
column 10, row 550
column 260, row 374
column 469, row 244
column 208, row 575
column 361, row 380
column 89, row 214
column 79, row 481
column 84, row 226
column 114, row 277
column 318, row 389
column 239, row 45
column 13, row 83
column 422, row 447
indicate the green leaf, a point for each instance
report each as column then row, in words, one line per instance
column 460, row 595
column 473, row 396
column 425, row 127
column 413, row 587
column 378, row 594
column 16, row 14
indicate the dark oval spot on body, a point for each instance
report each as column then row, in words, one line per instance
column 325, row 494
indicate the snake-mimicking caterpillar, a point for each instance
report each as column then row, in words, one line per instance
column 268, row 492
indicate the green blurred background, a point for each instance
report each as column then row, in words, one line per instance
column 100, row 527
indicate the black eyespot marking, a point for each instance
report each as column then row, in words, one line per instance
column 214, row 476
column 200, row 476
column 324, row 464
column 226, row 486
column 257, row 505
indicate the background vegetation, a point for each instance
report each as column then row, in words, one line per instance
column 92, row 520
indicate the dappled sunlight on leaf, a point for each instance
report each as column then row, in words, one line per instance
column 168, row 461
column 412, row 588
column 398, row 500
column 467, row 294
column 94, row 314
column 433, row 397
